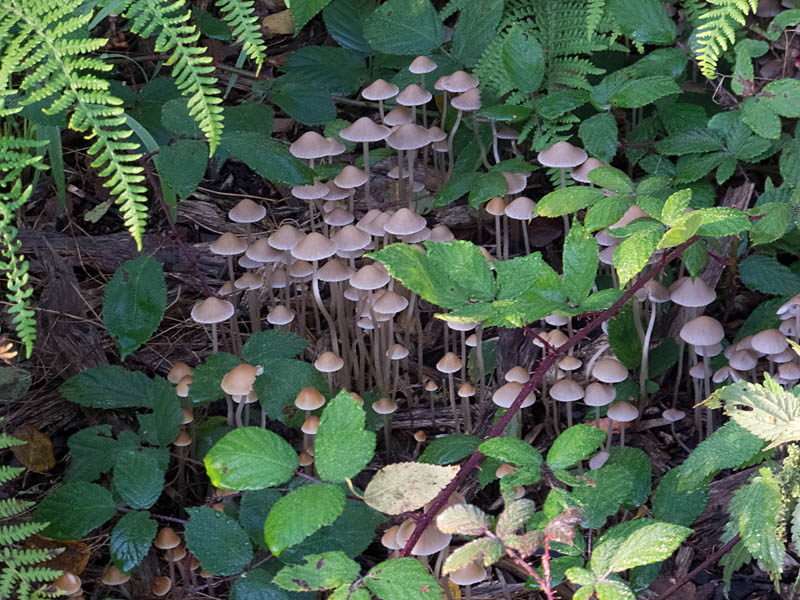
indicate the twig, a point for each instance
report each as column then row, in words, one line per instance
column 544, row 365
column 712, row 558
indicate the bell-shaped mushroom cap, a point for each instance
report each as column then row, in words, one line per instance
column 384, row 406
column 175, row 554
column 286, row 237
column 334, row 193
column 262, row 252
column 335, row 147
column 310, row 145
column 113, row 576
column 609, row 370
column 461, row 325
column 505, row 395
column 466, row 390
column 183, row 439
column 430, row 542
column 504, row 469
column 518, row 374
column 449, row 363
column 471, row 341
column 247, row 211
column 787, row 355
column 404, row 222
column 708, row 351
column 653, row 291
column 422, row 64
column 248, row 281
column 408, row 137
column 178, row 371
column 698, row 370
column 339, row 217
column 365, row 130
column 622, row 412
column 212, row 310
column 310, row 425
column 468, row 101
column 228, row 244
column 68, row 582
column 581, row 172
column 166, row 539
column 686, row 292
column 441, row 233
column 396, row 352
column 328, row 362
column 280, row 315
column 379, row 90
column 311, row 192
column 562, row 155
column 673, row 415
column 436, row 134
column 789, row 371
column 557, row 338
column 570, row 363
column 182, row 387
column 334, row 271
column 398, row 116
column 161, row 586
column 515, row 182
column 389, row 538
column 413, row 95
column 496, row 206
column 309, row 398
column 769, row 341
column 566, row 390
column 187, row 416
column 301, row 269
column 459, row 82
column 420, row 436
column 472, row 573
column 423, row 235
column 702, row 331
column 350, row 177
column 598, row 460
column 239, row 380
column 304, row 459
column 520, row 208
column 599, row 394
column 369, row 277
column 556, row 320
column 724, row 373
column 350, row 238
column 388, row 302
column 506, row 133
column 314, row 247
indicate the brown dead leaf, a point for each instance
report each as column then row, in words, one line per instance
column 73, row 558
column 280, row 23
column 37, row 454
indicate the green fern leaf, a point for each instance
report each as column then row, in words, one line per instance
column 238, row 14
column 191, row 66
column 717, row 30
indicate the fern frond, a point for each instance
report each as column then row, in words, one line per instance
column 11, row 534
column 594, row 14
column 717, row 31
column 56, row 68
column 238, row 14
column 12, row 507
column 191, row 66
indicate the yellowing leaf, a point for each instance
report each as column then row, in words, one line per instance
column 37, row 454
column 403, row 487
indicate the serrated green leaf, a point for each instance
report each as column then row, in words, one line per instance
column 485, row 187
column 344, row 20
column 305, row 10
column 790, row 163
column 408, row 27
column 695, row 258
column 250, row 458
column 599, row 135
column 272, row 343
column 221, row 546
column 281, row 381
column 564, row 201
column 634, row 543
column 108, row 387
column 623, row 338
column 675, row 206
column 783, row 96
column 74, row 509
column 402, row 579
column 134, row 302
column 257, row 585
column 324, row 571
column 523, row 60
column 560, row 101
column 610, row 487
column 512, row 450
column 681, row 230
column 765, row 274
column 613, row 590
column 449, row 449
column 776, row 218
column 131, row 539
column 253, row 509
column 138, row 479
column 93, row 451
column 514, row 517
column 728, row 447
column 182, row 165
column 580, row 261
column 402, row 487
column 605, row 212
column 342, row 447
column 580, row 576
column 483, row 550
column 767, row 411
column 519, row 274
column 632, row 254
column 464, row 519
column 611, row 178
column 300, row 513
column 267, row 157
column 756, row 512
column 732, row 562
column 338, row 70
column 573, row 445
column 637, row 464
column 743, row 80
column 474, row 30
column 674, row 506
column 643, row 91
column 720, row 221
column 167, row 414
column 207, row 377
column 644, row 22
column 758, row 115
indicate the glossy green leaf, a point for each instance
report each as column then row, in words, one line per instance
column 634, row 543
column 131, row 540
column 258, row 585
column 268, row 157
column 580, row 260
column 74, row 509
column 632, row 254
column 138, row 479
column 606, row 490
column 281, row 381
column 574, row 444
column 324, row 571
column 567, row 200
column 221, row 546
column 300, row 513
column 250, row 458
column 342, row 447
column 108, row 387
column 765, row 274
column 449, row 449
column 767, row 411
column 605, row 212
column 409, row 27
column 611, row 178
column 643, row 91
column 402, row 579
column 93, row 451
column 338, row 70
column 613, row 590
column 523, row 60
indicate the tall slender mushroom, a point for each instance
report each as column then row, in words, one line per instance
column 210, row 312
column 449, row 364
column 562, row 156
column 316, row 247
column 364, row 130
column 379, row 90
column 521, row 209
column 409, row 138
column 621, row 412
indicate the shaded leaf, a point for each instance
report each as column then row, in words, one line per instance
column 221, row 546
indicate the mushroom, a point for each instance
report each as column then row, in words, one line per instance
column 212, row 311
column 379, row 90
column 521, row 209
column 385, row 407
column 449, row 364
column 622, row 412
column 562, row 155
column 364, row 130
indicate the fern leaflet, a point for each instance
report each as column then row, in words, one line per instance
column 717, row 30
column 238, row 14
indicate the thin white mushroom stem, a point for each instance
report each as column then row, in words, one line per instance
column 481, row 365
column 643, row 371
column 410, row 187
column 505, row 238
column 253, row 306
column 323, row 310
column 380, row 110
column 495, row 149
column 622, row 435
column 478, row 139
column 367, row 192
column 239, row 409
column 524, row 225
column 498, row 234
column 565, row 216
column 402, row 190
column 453, row 406
column 450, row 143
column 609, row 434
column 214, row 339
